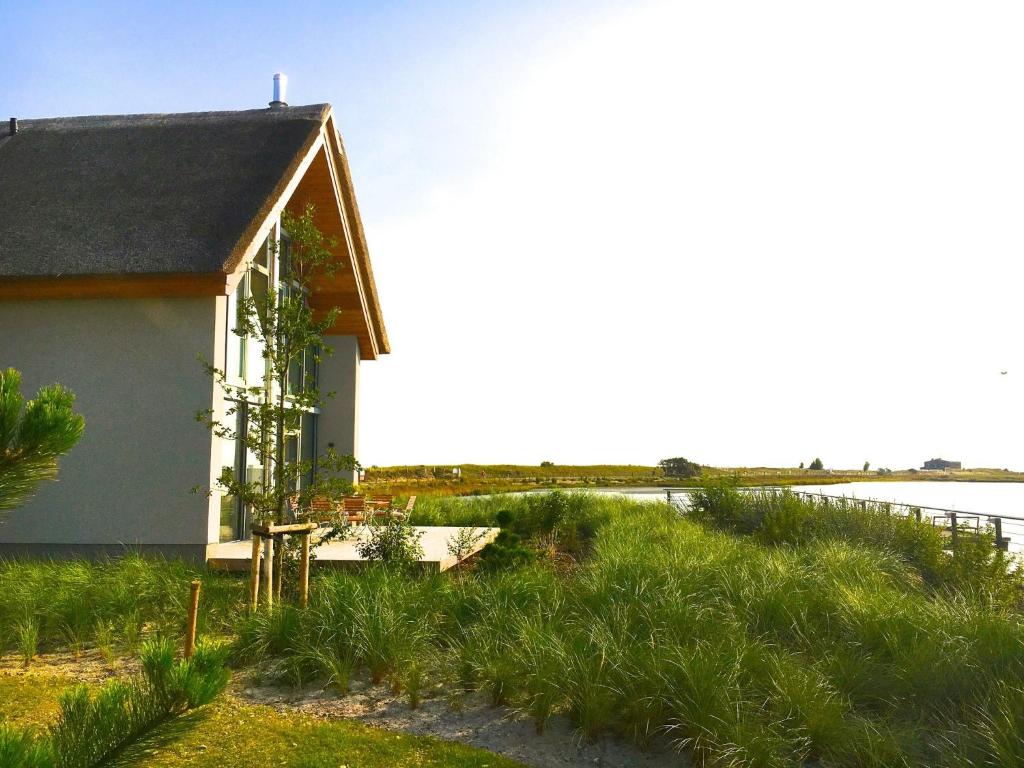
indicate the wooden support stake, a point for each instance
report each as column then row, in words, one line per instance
column 254, row 573
column 268, row 570
column 193, row 615
column 279, row 567
column 304, row 572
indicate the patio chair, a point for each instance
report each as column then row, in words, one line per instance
column 355, row 508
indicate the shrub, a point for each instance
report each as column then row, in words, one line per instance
column 395, row 542
column 506, row 552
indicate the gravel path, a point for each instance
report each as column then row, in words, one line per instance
column 497, row 729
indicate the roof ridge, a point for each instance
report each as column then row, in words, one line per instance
column 301, row 112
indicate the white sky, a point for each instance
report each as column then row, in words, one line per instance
column 747, row 233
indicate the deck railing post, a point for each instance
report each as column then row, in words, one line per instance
column 953, row 529
column 1000, row 542
column 916, row 512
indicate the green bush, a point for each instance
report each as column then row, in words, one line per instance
column 506, row 552
column 396, row 542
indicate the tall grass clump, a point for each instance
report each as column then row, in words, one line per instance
column 74, row 604
column 23, row 749
column 92, row 728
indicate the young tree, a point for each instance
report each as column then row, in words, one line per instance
column 283, row 324
column 867, row 465
column 33, row 436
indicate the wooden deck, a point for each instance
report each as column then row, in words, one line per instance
column 235, row 555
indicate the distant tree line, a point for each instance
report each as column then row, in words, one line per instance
column 679, row 467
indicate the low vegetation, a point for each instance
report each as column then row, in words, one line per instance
column 760, row 630
column 230, row 734
column 92, row 727
column 497, row 478
column 78, row 604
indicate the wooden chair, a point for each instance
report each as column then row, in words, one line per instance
column 355, row 508
column 381, row 499
column 409, row 505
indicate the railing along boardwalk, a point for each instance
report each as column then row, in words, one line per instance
column 1008, row 530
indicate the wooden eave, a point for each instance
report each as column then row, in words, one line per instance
column 318, row 174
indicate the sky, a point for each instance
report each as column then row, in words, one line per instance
column 745, row 233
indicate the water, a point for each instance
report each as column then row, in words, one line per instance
column 980, row 498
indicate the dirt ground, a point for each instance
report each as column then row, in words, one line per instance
column 497, row 729
column 87, row 666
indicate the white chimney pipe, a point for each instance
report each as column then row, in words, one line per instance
column 280, row 90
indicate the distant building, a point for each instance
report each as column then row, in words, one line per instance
column 941, row 464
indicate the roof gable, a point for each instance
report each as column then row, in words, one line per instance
column 144, row 194
column 166, row 205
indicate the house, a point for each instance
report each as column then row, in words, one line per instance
column 125, row 242
column 941, row 464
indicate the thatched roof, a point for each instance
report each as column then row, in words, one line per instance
column 140, row 194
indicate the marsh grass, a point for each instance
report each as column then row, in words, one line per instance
column 742, row 650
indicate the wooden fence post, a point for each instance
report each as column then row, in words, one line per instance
column 304, row 572
column 193, row 616
column 254, row 573
column 953, row 529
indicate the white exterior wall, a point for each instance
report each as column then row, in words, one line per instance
column 338, row 424
column 132, row 364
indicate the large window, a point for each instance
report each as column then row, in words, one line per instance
column 232, row 519
column 244, row 363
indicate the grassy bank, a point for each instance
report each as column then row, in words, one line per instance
column 231, row 734
column 735, row 649
column 765, row 631
column 499, row 478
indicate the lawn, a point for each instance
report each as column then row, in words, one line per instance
column 232, row 734
column 762, row 631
